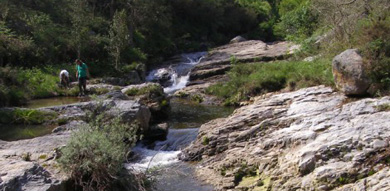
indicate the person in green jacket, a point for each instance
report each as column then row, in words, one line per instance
column 81, row 74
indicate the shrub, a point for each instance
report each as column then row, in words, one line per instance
column 95, row 153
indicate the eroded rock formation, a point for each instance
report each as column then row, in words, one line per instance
column 311, row 139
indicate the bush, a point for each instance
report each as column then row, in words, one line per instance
column 248, row 80
column 95, row 153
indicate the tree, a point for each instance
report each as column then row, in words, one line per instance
column 120, row 37
column 80, row 29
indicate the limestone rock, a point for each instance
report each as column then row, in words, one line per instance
column 218, row 61
column 152, row 95
column 237, row 39
column 29, row 164
column 349, row 73
column 310, row 138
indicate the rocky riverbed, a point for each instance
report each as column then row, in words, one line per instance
column 311, row 139
column 30, row 164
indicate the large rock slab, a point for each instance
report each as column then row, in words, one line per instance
column 309, row 139
column 218, row 61
column 30, row 165
column 349, row 73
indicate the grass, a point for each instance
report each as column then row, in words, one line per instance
column 247, row 80
column 18, row 85
column 26, row 116
column 152, row 90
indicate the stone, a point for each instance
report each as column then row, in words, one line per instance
column 162, row 76
column 302, row 139
column 218, row 60
column 307, row 163
column 40, row 172
column 237, row 39
column 133, row 77
column 157, row 132
column 349, row 73
column 152, row 96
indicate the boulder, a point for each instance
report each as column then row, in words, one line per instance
column 237, row 39
column 162, row 76
column 152, row 95
column 349, row 73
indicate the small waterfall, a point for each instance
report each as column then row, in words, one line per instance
column 176, row 76
column 164, row 152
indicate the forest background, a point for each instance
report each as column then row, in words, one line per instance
column 40, row 37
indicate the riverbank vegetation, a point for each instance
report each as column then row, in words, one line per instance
column 112, row 36
column 95, row 154
column 323, row 29
column 248, row 80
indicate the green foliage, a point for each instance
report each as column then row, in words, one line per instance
column 42, row 32
column 244, row 171
column 120, row 37
column 297, row 21
column 374, row 40
column 197, row 98
column 18, row 85
column 95, row 153
column 205, row 140
column 26, row 116
column 248, row 80
column 151, row 90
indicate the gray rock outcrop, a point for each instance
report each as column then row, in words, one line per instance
column 237, row 39
column 30, row 165
column 218, row 61
column 349, row 73
column 311, row 139
column 152, row 96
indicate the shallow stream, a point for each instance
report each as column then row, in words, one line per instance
column 160, row 159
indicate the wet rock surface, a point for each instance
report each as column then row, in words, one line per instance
column 311, row 139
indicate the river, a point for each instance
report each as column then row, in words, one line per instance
column 160, row 159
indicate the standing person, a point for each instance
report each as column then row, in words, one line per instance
column 64, row 78
column 81, row 74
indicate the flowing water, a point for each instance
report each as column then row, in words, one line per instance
column 179, row 73
column 161, row 158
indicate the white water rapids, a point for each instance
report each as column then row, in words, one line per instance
column 179, row 74
column 169, row 173
column 166, row 152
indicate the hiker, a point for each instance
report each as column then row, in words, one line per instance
column 64, row 78
column 81, row 74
